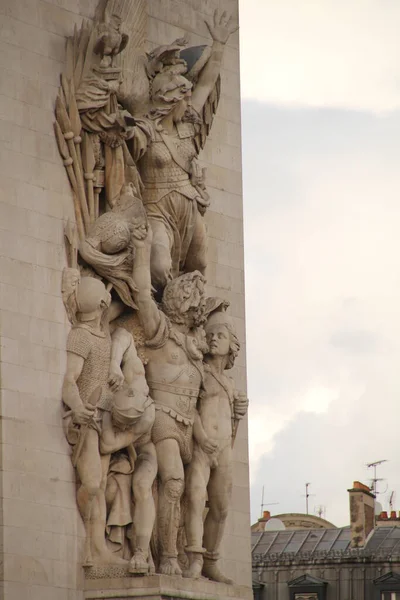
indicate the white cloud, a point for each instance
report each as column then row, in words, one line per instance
column 342, row 53
column 317, row 399
column 322, row 221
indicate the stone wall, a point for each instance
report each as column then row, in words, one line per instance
column 41, row 528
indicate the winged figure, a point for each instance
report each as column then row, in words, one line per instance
column 125, row 118
column 130, row 126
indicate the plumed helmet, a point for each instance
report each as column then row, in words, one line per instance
column 169, row 88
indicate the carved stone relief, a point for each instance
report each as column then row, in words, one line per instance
column 149, row 412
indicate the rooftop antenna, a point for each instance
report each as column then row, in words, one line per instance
column 320, row 511
column 263, row 503
column 375, row 479
column 307, row 495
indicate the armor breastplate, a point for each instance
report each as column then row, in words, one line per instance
column 178, row 396
column 161, row 174
column 158, row 166
column 178, row 402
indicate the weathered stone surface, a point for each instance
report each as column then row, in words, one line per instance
column 158, row 587
column 38, row 483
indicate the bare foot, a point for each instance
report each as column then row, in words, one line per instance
column 169, row 566
column 138, row 563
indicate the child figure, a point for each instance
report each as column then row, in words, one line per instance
column 209, row 474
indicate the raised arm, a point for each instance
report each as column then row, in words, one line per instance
column 220, row 28
column 149, row 314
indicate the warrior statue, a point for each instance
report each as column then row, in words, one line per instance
column 86, row 395
column 113, row 134
column 174, row 372
column 98, row 423
column 209, row 474
column 174, row 193
column 130, row 127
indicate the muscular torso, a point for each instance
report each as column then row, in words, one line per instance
column 174, row 380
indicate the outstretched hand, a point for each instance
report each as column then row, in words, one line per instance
column 221, row 26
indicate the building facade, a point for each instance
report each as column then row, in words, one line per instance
column 358, row 562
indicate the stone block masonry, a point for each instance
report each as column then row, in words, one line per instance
column 42, row 533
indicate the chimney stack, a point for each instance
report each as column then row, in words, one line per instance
column 361, row 513
column 262, row 521
column 385, row 520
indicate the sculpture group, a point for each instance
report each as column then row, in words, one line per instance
column 149, row 412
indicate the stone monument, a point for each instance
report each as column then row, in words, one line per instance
column 124, row 440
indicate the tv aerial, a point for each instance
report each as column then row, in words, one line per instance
column 320, row 511
column 307, row 495
column 264, row 504
column 375, row 479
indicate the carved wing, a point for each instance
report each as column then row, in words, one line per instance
column 124, row 42
column 196, row 58
column 133, row 93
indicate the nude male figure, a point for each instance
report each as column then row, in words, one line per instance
column 209, row 475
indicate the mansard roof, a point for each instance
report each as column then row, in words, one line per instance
column 309, row 544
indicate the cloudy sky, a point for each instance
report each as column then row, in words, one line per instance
column 321, row 159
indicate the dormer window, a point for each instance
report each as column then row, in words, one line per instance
column 307, row 587
column 387, row 586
